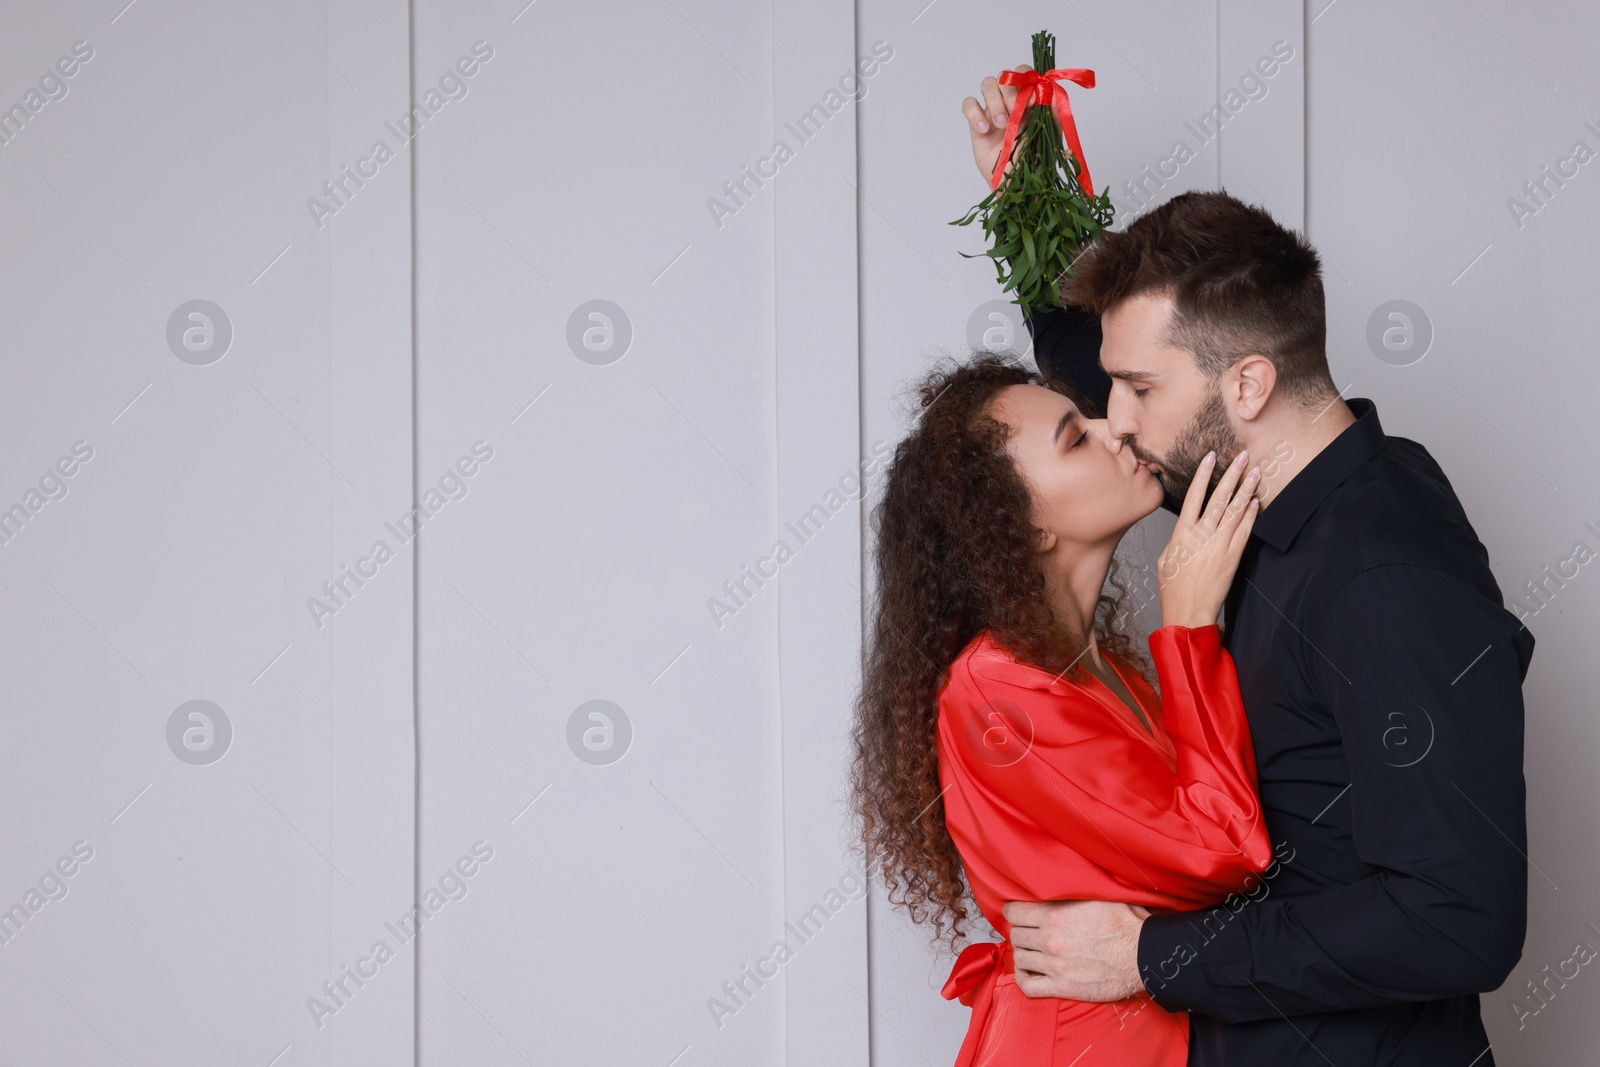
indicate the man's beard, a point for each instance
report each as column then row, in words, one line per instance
column 1208, row 431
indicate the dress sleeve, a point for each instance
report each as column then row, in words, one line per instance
column 1045, row 751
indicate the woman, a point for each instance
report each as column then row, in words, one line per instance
column 1007, row 742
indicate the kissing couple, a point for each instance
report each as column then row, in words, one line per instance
column 1295, row 838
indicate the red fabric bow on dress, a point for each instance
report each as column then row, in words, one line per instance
column 972, row 979
column 977, row 963
column 1037, row 88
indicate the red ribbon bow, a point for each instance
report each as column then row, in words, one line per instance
column 973, row 979
column 1035, row 87
column 977, row 964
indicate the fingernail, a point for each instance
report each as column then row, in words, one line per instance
column 983, row 127
column 1238, row 461
column 1211, row 457
column 1255, row 502
column 1255, row 472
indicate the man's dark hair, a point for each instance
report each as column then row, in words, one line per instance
column 1239, row 282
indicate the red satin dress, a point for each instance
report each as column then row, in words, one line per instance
column 1055, row 791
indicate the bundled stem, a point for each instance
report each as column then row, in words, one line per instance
column 1039, row 216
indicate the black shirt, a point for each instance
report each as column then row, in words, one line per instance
column 1382, row 677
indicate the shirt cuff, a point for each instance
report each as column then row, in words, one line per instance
column 1169, row 962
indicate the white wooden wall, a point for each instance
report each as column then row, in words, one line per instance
column 230, row 478
column 614, row 343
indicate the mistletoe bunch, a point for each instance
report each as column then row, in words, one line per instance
column 1039, row 216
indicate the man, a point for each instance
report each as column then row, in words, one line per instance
column 1380, row 672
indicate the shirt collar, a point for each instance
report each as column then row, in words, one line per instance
column 1282, row 520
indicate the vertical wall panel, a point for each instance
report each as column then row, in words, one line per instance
column 235, row 456
column 819, row 70
column 638, row 876
column 1260, row 111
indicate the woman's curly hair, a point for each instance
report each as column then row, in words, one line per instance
column 954, row 556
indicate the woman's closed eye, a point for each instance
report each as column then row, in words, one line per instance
column 1081, row 438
